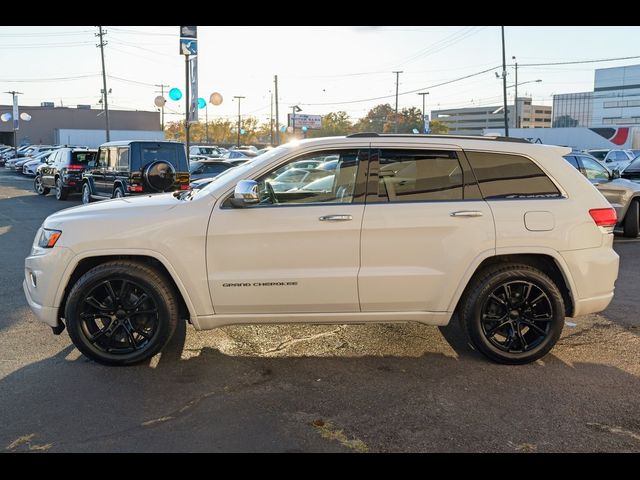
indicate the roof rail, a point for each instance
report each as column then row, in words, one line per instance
column 416, row 135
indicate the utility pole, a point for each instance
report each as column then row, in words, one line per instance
column 424, row 127
column 271, row 121
column 15, row 120
column 504, row 87
column 187, row 101
column 277, row 116
column 239, row 117
column 161, row 92
column 104, row 80
column 516, row 100
column 396, row 116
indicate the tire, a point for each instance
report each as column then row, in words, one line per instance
column 632, row 220
column 115, row 342
column 39, row 187
column 118, row 192
column 61, row 192
column 86, row 193
column 487, row 301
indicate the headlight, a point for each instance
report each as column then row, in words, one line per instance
column 48, row 238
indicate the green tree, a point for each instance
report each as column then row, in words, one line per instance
column 437, row 127
column 333, row 124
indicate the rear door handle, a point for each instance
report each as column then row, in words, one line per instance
column 466, row 213
column 335, row 218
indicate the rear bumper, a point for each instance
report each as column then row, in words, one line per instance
column 594, row 272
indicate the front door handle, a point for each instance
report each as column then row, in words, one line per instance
column 335, row 218
column 466, row 213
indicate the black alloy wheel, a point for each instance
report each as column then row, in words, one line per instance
column 121, row 312
column 512, row 313
column 516, row 316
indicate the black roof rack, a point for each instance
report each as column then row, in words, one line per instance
column 414, row 135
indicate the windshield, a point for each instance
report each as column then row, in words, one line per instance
column 634, row 166
column 599, row 154
column 235, row 173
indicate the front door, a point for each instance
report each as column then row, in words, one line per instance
column 98, row 171
column 297, row 251
column 425, row 223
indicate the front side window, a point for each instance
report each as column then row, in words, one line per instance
column 572, row 160
column 593, row 170
column 288, row 186
column 507, row 176
column 418, row 175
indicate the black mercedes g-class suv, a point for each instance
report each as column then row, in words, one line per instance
column 135, row 167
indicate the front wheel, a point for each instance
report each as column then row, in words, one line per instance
column 121, row 313
column 513, row 314
column 39, row 187
column 86, row 193
column 118, row 192
column 632, row 220
column 61, row 192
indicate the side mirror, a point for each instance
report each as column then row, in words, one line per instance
column 615, row 173
column 245, row 194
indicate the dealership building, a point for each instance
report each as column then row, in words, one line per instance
column 474, row 120
column 615, row 100
column 81, row 125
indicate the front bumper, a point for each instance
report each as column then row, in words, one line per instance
column 48, row 315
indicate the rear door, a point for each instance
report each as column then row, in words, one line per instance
column 424, row 225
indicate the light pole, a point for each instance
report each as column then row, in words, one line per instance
column 516, row 100
column 504, row 87
column 239, row 117
column 15, row 119
column 424, row 126
column 295, row 109
column 396, row 115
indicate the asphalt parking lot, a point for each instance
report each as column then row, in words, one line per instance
column 360, row 388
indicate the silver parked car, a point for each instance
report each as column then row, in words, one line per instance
column 622, row 193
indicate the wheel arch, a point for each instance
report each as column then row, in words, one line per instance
column 549, row 263
column 82, row 264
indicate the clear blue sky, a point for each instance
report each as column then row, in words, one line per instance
column 315, row 65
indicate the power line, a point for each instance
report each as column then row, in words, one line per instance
column 576, row 62
column 50, row 79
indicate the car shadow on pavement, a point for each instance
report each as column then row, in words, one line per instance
column 203, row 399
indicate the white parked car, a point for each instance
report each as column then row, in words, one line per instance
column 613, row 159
column 507, row 235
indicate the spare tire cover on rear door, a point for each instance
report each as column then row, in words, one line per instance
column 159, row 176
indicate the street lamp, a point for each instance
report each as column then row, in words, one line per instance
column 239, row 118
column 423, row 117
column 295, row 110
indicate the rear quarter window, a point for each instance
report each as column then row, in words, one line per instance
column 508, row 176
column 152, row 152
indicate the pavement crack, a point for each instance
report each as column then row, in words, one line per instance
column 288, row 343
column 614, row 429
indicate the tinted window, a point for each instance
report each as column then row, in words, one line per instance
column 621, row 156
column 572, row 160
column 599, row 154
column 504, row 176
column 214, row 168
column 123, row 159
column 295, row 186
column 418, row 175
column 149, row 152
column 634, row 165
column 593, row 170
column 82, row 157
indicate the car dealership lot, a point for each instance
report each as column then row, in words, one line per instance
column 391, row 387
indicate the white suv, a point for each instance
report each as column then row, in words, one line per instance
column 505, row 234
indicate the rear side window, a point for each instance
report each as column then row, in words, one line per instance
column 82, row 157
column 123, row 159
column 419, row 175
column 506, row 176
column 572, row 160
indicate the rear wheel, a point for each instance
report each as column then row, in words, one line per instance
column 118, row 192
column 39, row 187
column 121, row 313
column 513, row 314
column 61, row 192
column 632, row 220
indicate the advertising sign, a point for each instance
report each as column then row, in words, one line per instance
column 16, row 114
column 427, row 129
column 302, row 120
column 193, row 90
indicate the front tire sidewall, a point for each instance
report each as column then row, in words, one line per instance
column 86, row 194
column 74, row 306
column 118, row 192
column 473, row 316
column 39, row 187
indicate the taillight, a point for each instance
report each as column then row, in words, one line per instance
column 75, row 168
column 184, row 187
column 604, row 217
column 136, row 188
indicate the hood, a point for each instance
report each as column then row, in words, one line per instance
column 139, row 207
